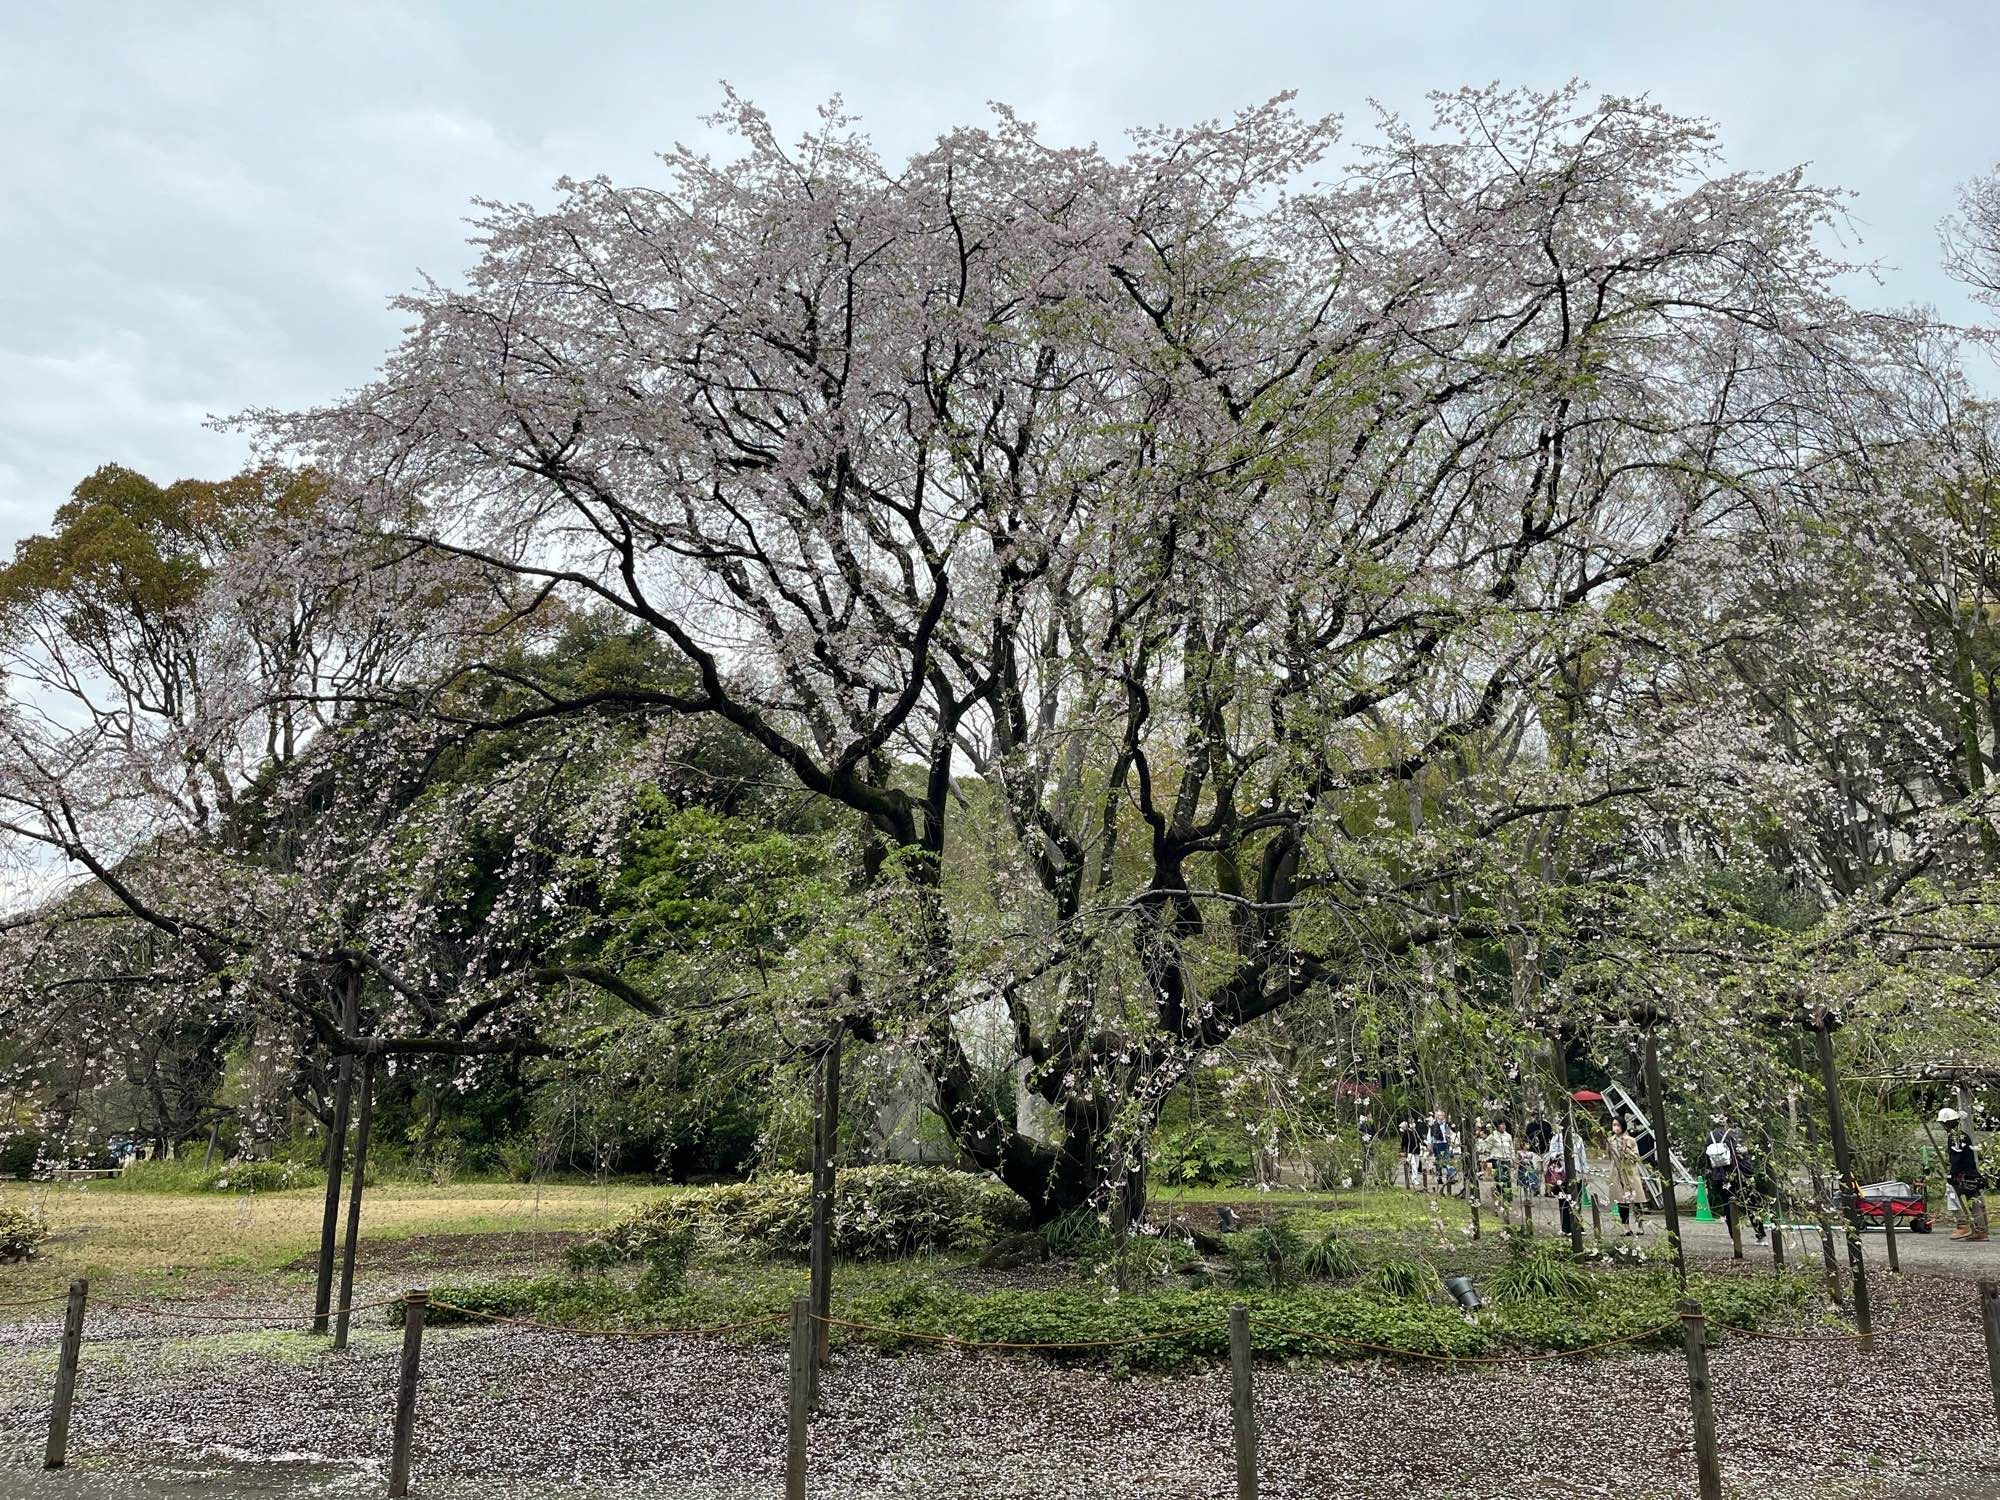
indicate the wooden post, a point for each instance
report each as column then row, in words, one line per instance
column 1596, row 1220
column 1694, row 1338
column 1527, row 1213
column 1572, row 1201
column 1663, row 1154
column 1778, row 1247
column 1843, row 1164
column 329, row 1224
column 415, row 1303
column 354, row 1188
column 1833, row 1284
column 799, row 1403
column 1734, row 1222
column 57, row 1452
column 826, row 1140
column 336, row 1156
column 1471, row 1166
column 1989, row 1316
column 1889, row 1239
column 1240, row 1403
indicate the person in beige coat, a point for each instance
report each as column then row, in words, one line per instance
column 1628, row 1188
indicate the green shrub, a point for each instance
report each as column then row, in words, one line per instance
column 184, row 1174
column 1272, row 1256
column 263, row 1177
column 1199, row 1153
column 1409, row 1277
column 1142, row 1258
column 1306, row 1322
column 20, row 1233
column 667, row 1261
column 1539, row 1268
column 879, row 1213
column 1330, row 1258
column 1077, row 1235
column 1314, row 1323
column 591, row 1257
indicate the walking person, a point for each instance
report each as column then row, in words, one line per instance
column 1537, row 1137
column 1498, row 1151
column 1564, row 1146
column 1437, row 1141
column 1628, row 1188
column 1724, row 1173
column 1961, row 1160
column 1410, row 1143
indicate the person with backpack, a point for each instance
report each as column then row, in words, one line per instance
column 1961, row 1160
column 1724, row 1167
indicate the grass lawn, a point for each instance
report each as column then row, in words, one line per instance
column 149, row 1241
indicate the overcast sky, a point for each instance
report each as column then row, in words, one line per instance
column 204, row 207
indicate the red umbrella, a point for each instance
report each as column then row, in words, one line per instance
column 1587, row 1096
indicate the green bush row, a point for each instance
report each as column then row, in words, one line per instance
column 1180, row 1328
column 879, row 1213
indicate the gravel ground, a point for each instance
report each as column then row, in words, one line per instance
column 182, row 1410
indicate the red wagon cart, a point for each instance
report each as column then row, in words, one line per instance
column 1905, row 1202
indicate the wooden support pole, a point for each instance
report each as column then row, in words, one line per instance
column 57, row 1453
column 1527, row 1213
column 1734, row 1222
column 415, row 1303
column 354, row 1189
column 1843, row 1165
column 1694, row 1338
column 1470, row 1163
column 799, row 1398
column 1834, row 1288
column 1889, row 1239
column 336, row 1156
column 1663, row 1155
column 1241, row 1403
column 1572, row 1201
column 826, row 1139
column 1778, row 1246
column 1596, row 1220
column 1989, row 1317
column 329, row 1224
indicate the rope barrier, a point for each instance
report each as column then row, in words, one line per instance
column 35, row 1302
column 606, row 1333
column 1905, row 1327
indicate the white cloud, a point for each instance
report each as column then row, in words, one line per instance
column 204, row 208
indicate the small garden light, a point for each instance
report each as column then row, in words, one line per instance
column 1464, row 1293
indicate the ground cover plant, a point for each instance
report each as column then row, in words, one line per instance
column 919, row 1301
